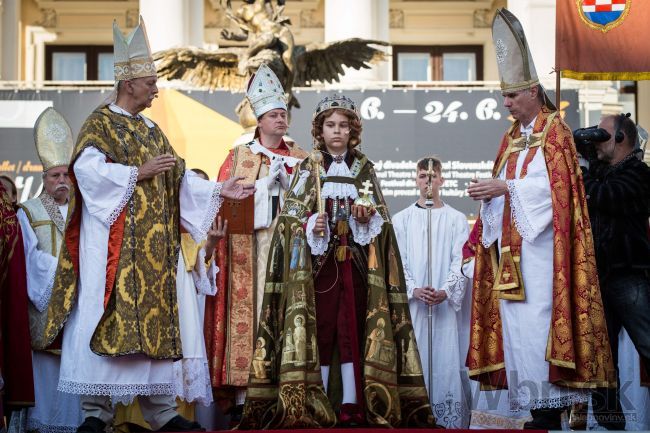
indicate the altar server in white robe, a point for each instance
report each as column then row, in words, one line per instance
column 42, row 220
column 445, row 295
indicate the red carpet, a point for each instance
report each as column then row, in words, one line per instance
column 382, row 430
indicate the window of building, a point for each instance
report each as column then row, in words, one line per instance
column 438, row 63
column 79, row 62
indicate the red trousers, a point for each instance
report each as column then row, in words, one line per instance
column 341, row 299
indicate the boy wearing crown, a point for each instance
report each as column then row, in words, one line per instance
column 268, row 161
column 43, row 221
column 115, row 284
column 537, row 313
column 335, row 303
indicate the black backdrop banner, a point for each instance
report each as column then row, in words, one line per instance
column 462, row 127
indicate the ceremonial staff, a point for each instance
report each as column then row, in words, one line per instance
column 429, row 205
column 316, row 159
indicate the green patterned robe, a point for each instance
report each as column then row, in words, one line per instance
column 141, row 313
column 290, row 394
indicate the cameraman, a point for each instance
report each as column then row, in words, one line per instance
column 617, row 186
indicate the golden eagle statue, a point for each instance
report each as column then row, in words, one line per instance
column 270, row 41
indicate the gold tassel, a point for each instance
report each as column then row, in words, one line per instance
column 372, row 256
column 342, row 228
column 341, row 253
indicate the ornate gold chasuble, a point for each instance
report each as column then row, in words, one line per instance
column 287, row 391
column 141, row 313
column 577, row 350
column 231, row 315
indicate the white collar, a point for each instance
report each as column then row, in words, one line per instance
column 528, row 129
column 257, row 147
column 119, row 110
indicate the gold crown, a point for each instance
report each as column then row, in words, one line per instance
column 337, row 101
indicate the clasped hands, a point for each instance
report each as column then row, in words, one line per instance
column 361, row 214
column 487, row 189
column 429, row 295
column 277, row 172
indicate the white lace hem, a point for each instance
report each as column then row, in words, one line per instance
column 489, row 222
column 192, row 381
column 579, row 396
column 365, row 233
column 205, row 279
column 119, row 392
column 524, row 227
column 35, row 425
column 455, row 288
column 133, row 180
column 317, row 244
column 338, row 190
column 43, row 300
column 213, row 208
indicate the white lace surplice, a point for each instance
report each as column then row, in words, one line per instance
column 106, row 189
column 361, row 233
column 191, row 374
column 526, row 324
column 449, row 231
column 54, row 412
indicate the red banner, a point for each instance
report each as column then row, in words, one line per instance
column 603, row 39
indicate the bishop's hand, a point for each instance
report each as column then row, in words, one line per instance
column 235, row 190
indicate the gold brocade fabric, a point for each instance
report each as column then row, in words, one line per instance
column 578, row 350
column 285, row 388
column 230, row 333
column 141, row 315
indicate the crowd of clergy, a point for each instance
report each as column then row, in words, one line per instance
column 137, row 294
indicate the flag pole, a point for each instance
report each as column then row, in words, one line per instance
column 558, row 76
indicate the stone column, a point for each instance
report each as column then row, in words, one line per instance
column 196, row 23
column 538, row 19
column 368, row 19
column 9, row 40
column 166, row 23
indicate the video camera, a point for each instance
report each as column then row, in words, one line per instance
column 586, row 139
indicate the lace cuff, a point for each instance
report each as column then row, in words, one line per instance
column 130, row 187
column 205, row 277
column 365, row 233
column 455, row 288
column 490, row 223
column 213, row 208
column 318, row 244
column 42, row 302
column 524, row 227
column 192, row 381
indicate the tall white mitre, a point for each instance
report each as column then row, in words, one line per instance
column 132, row 55
column 265, row 92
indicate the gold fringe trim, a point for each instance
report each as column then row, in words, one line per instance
column 342, row 228
column 563, row 364
column 487, row 369
column 606, row 76
column 341, row 252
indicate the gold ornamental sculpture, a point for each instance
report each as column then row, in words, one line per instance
column 270, row 41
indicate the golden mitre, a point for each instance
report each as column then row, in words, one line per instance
column 132, row 55
column 53, row 138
